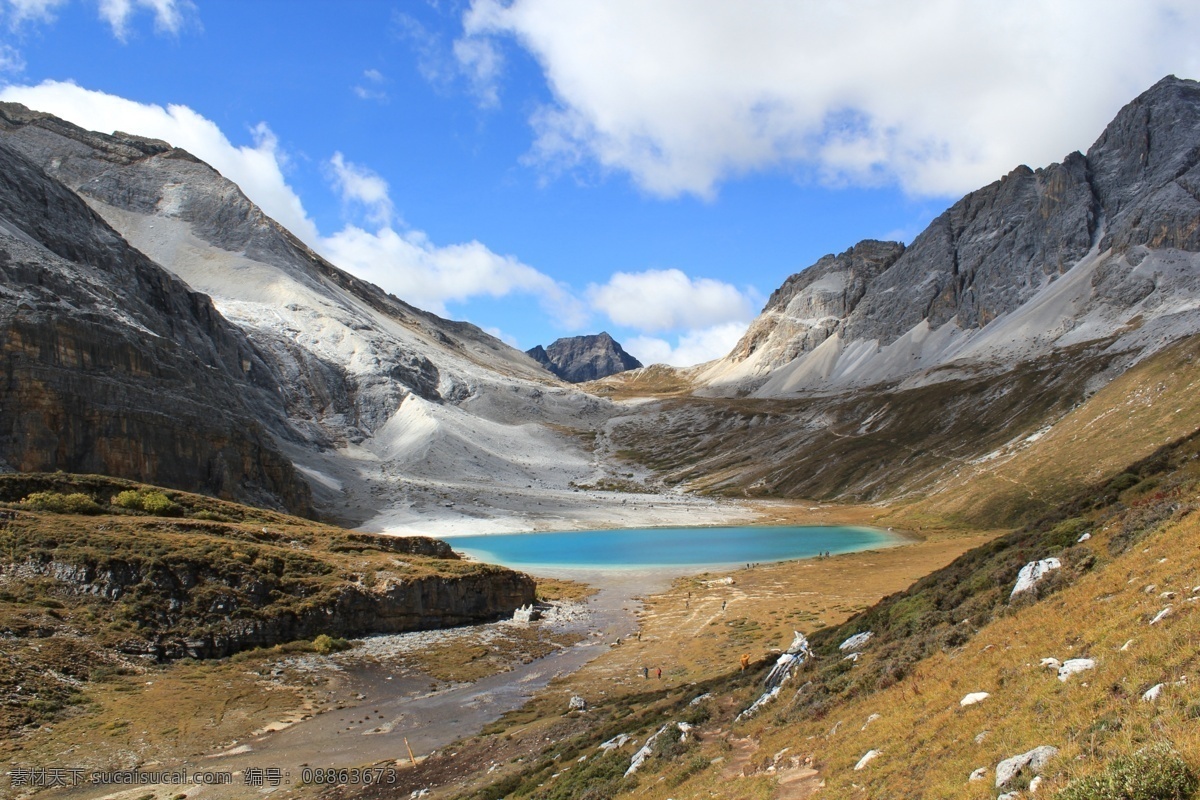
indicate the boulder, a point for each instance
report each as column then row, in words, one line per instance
column 1074, row 665
column 973, row 698
column 867, row 758
column 1032, row 573
column 856, row 642
column 577, row 703
column 1033, row 761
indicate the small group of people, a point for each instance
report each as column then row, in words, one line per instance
column 646, row 673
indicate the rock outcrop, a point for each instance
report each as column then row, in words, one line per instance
column 111, row 365
column 576, row 359
column 1102, row 245
column 207, row 611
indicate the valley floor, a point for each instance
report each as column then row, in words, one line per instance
column 274, row 709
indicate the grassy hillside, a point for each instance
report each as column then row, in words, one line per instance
column 952, row 633
column 91, row 583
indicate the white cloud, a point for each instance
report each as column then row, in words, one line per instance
column 11, row 59
column 663, row 300
column 357, row 184
column 169, row 15
column 481, row 62
column 372, row 86
column 691, row 347
column 20, row 11
column 939, row 96
column 428, row 276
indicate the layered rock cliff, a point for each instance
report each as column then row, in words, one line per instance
column 577, row 359
column 112, row 365
column 1101, row 245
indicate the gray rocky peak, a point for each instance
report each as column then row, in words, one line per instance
column 576, row 359
column 983, row 286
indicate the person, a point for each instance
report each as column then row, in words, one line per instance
column 645, row 673
column 723, row 604
column 660, row 673
column 745, row 661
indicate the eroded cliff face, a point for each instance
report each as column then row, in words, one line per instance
column 192, row 610
column 111, row 365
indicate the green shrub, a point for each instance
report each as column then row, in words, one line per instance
column 155, row 503
column 160, row 505
column 326, row 644
column 129, row 499
column 58, row 503
column 1156, row 773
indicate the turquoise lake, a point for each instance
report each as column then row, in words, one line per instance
column 633, row 548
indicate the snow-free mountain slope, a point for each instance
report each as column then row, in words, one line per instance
column 577, row 359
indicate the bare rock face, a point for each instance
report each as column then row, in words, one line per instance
column 111, row 365
column 576, row 359
column 813, row 305
column 1124, row 220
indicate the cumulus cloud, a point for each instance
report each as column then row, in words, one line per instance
column 428, row 276
column 362, row 186
column 668, row 299
column 169, row 15
column 938, row 97
column 691, row 347
column 257, row 169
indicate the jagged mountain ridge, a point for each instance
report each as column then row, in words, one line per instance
column 577, row 359
column 1101, row 245
column 373, row 389
column 114, row 366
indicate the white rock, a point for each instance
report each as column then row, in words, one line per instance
column 1032, row 573
column 1152, row 693
column 855, row 642
column 526, row 614
column 1052, row 663
column 1084, row 538
column 1009, row 796
column 1160, row 616
column 979, row 737
column 620, row 740
column 577, row 703
column 1125, row 647
column 866, row 759
column 641, row 755
column 852, row 657
column 1034, row 760
column 870, row 719
column 1166, row 595
column 1074, row 665
column 973, row 698
column 978, row 774
column 1035, row 784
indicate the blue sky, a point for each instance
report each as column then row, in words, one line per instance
column 654, row 168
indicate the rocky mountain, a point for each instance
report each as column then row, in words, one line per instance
column 1101, row 246
column 378, row 404
column 112, row 365
column 577, row 359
